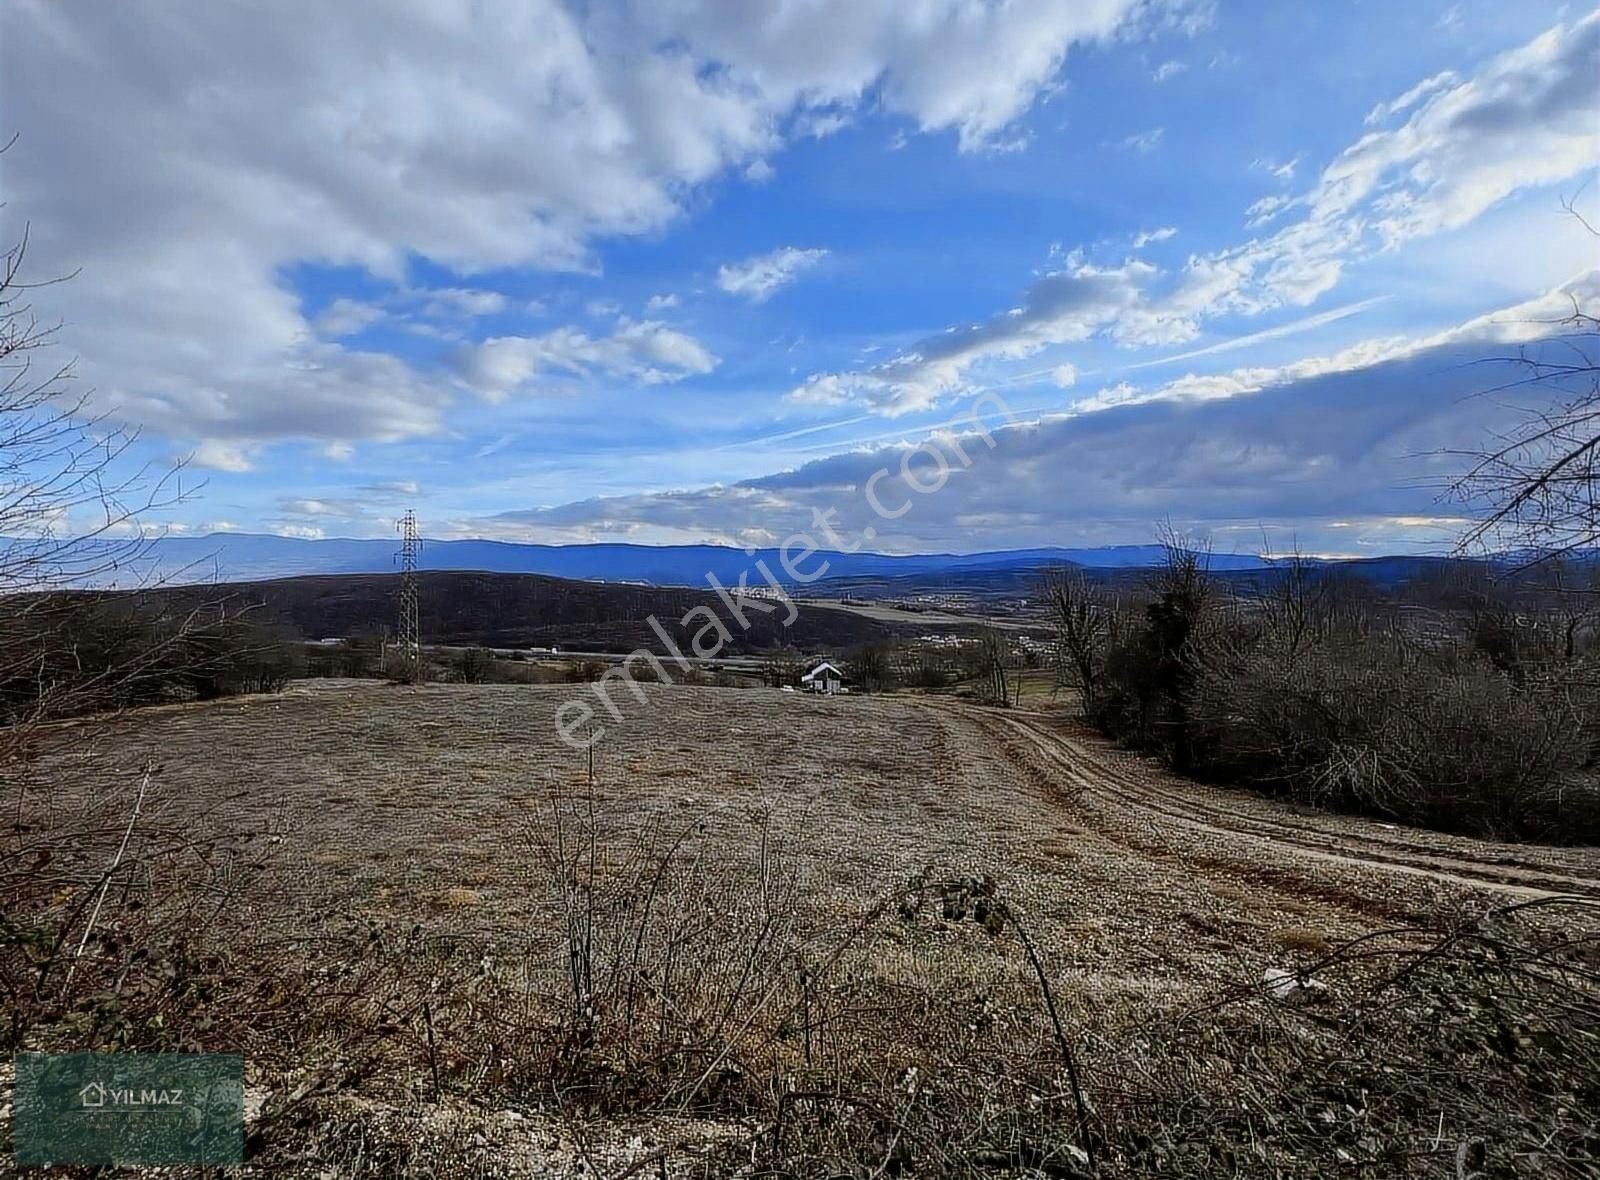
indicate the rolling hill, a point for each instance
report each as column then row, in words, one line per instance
column 241, row 557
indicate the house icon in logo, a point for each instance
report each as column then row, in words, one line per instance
column 93, row 1095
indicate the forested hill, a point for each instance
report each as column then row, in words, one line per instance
column 524, row 610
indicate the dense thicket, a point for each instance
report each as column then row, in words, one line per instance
column 1465, row 703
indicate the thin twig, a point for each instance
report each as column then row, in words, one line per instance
column 105, row 882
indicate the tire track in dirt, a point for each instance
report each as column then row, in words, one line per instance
column 1139, row 834
column 1345, row 841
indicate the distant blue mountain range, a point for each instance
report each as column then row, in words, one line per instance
column 240, row 557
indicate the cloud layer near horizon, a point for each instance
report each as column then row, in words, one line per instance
column 1230, row 455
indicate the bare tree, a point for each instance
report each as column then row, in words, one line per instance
column 1082, row 622
column 71, row 498
column 874, row 665
column 994, row 655
column 1537, row 485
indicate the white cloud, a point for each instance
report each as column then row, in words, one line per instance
column 661, row 303
column 220, row 456
column 464, row 301
column 1326, row 447
column 301, row 506
column 821, row 124
column 1385, row 110
column 1526, row 119
column 346, row 317
column 1070, row 304
column 645, row 351
column 1531, row 320
column 296, row 134
column 759, row 172
column 1277, row 332
column 945, row 65
column 1168, row 70
column 390, row 488
column 757, row 278
column 1065, row 375
column 1266, row 209
column 1121, row 394
column 1145, row 141
column 1145, row 237
column 1281, row 170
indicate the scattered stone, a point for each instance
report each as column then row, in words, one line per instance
column 1290, row 988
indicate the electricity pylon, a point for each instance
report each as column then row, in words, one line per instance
column 408, row 632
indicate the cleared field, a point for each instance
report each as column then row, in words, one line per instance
column 444, row 811
column 385, row 799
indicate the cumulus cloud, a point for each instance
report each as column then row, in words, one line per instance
column 1168, row 70
column 946, row 65
column 820, row 124
column 305, row 506
column 645, row 351
column 297, row 134
column 757, row 278
column 300, row 532
column 219, row 456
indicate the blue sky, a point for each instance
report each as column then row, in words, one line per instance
column 690, row 271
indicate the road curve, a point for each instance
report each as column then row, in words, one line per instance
column 1123, row 787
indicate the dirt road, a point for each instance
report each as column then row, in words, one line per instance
column 1127, row 794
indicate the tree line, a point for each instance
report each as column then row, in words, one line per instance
column 1468, row 701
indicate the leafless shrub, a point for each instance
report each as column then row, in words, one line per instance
column 1475, row 1042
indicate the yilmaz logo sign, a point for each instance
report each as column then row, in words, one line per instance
column 98, row 1095
column 129, row 1108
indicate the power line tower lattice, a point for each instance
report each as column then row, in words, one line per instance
column 408, row 633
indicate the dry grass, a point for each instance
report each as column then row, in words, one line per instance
column 1302, row 941
column 783, row 904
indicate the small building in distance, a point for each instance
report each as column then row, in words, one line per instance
column 823, row 678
